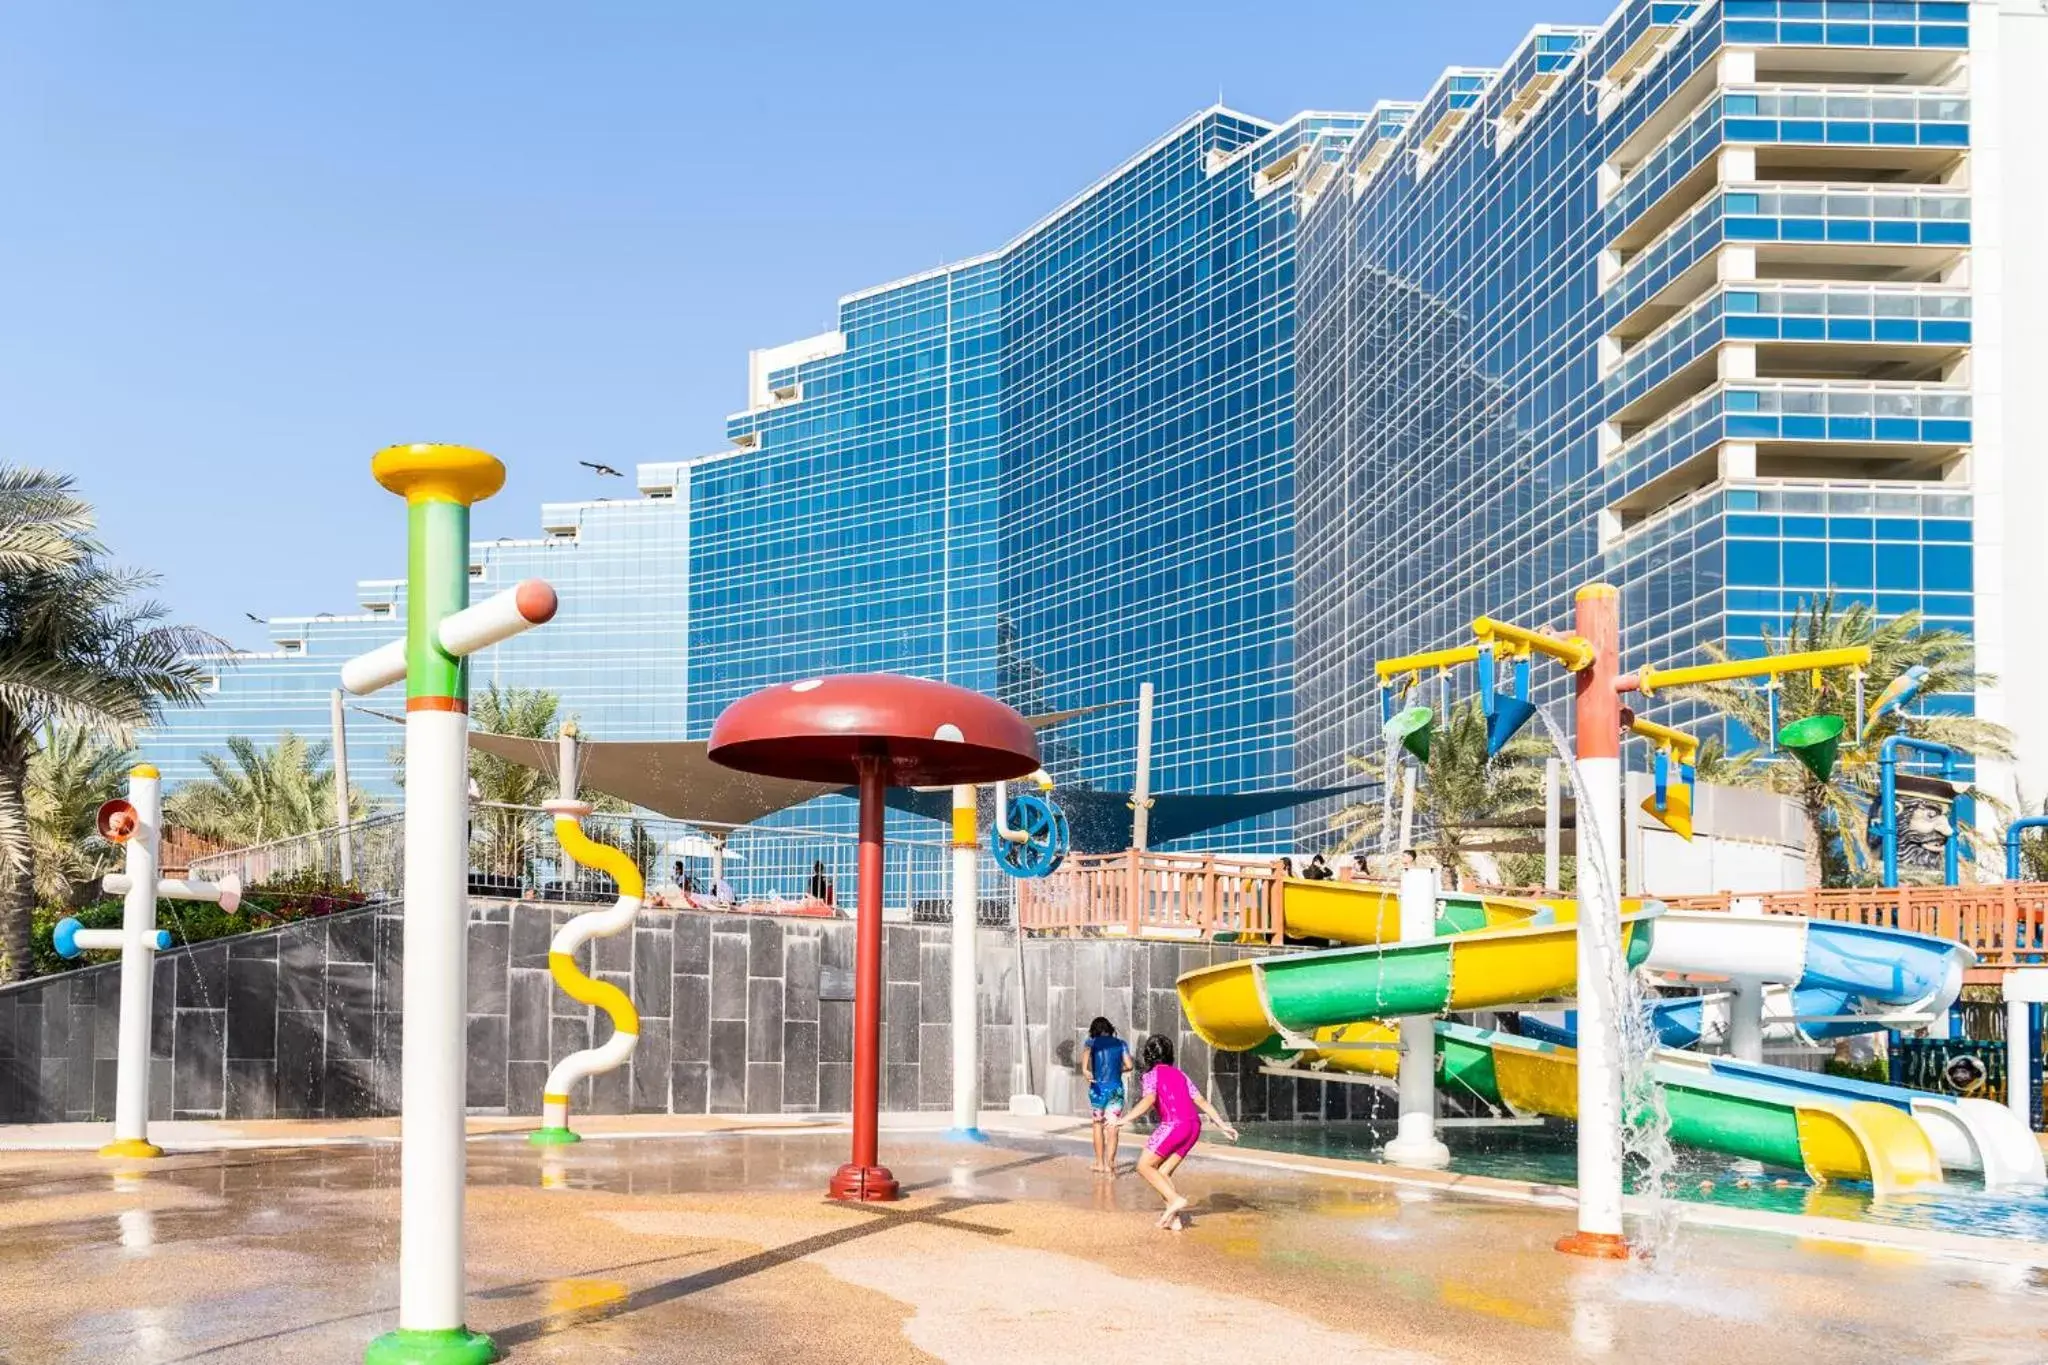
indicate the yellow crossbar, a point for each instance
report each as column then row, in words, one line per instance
column 1417, row 663
column 1575, row 653
column 1853, row 656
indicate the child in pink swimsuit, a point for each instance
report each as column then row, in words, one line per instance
column 1181, row 1107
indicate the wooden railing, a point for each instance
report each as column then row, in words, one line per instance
column 1201, row 895
column 2005, row 923
column 1157, row 895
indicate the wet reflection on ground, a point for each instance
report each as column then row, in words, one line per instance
column 721, row 1248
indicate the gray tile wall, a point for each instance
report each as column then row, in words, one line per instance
column 739, row 1014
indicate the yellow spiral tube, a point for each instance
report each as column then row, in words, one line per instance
column 583, row 989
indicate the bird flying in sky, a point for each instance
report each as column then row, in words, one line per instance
column 601, row 468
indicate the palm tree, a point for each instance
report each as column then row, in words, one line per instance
column 80, row 644
column 511, row 838
column 71, row 773
column 2033, row 850
column 256, row 795
column 1837, row 809
column 1460, row 793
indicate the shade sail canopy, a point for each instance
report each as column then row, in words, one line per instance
column 674, row 777
column 923, row 733
column 1100, row 821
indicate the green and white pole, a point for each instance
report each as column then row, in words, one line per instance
column 438, row 483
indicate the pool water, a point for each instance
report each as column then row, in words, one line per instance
column 1546, row 1155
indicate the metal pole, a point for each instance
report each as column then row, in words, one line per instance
column 864, row 1177
column 1553, row 824
column 1598, row 741
column 2019, row 1053
column 138, row 970
column 1888, row 812
column 337, row 722
column 1415, row 1141
column 966, row 1001
column 1141, row 785
column 1407, row 807
column 565, row 786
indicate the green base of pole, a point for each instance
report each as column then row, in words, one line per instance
column 453, row 1346
column 552, row 1137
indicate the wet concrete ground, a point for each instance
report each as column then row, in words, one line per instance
column 720, row 1248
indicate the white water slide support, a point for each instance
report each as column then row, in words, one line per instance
column 1909, row 977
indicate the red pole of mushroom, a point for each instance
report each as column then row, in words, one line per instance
column 875, row 730
column 865, row 1178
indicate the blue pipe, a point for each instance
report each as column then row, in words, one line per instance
column 1522, row 678
column 1486, row 679
column 2013, row 832
column 1888, row 805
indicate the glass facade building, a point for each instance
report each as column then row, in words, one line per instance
column 1051, row 472
column 1691, row 302
column 1726, row 301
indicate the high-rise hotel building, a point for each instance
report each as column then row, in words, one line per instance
column 1728, row 304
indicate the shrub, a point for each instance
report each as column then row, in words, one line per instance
column 287, row 900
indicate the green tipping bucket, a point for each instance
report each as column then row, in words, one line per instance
column 1413, row 728
column 1814, row 742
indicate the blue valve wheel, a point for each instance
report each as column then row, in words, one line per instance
column 64, row 938
column 1045, row 838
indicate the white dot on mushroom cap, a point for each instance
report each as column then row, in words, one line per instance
column 949, row 731
column 809, row 684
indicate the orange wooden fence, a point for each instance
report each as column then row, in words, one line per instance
column 1157, row 895
column 2005, row 923
column 1201, row 895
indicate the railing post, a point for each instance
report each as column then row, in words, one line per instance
column 1134, row 888
column 1276, row 904
column 1210, row 909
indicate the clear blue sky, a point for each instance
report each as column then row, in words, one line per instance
column 247, row 244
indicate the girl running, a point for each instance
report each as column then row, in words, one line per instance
column 1181, row 1107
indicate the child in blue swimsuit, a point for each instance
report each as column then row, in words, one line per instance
column 1107, row 1060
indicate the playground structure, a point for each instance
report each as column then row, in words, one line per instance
column 1417, row 953
column 136, row 824
column 439, row 484
column 578, row 986
column 874, row 731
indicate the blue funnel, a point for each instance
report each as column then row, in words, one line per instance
column 1509, row 715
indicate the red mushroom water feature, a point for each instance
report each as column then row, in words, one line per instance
column 873, row 731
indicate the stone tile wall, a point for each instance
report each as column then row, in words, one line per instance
column 739, row 1014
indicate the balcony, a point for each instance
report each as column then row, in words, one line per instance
column 1812, row 427
column 1793, row 226
column 1799, row 330
column 1882, row 132
column 1909, row 27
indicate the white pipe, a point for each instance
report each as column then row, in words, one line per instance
column 1599, row 859
column 1746, row 998
column 1553, row 825
column 966, row 1001
column 498, row 617
column 1415, row 1141
column 381, row 667
column 2019, row 1061
column 101, row 940
column 227, row 892
column 1141, row 786
column 1407, row 807
column 565, row 784
column 1003, row 830
column 613, row 1052
column 138, row 949
column 337, row 725
column 430, row 1239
